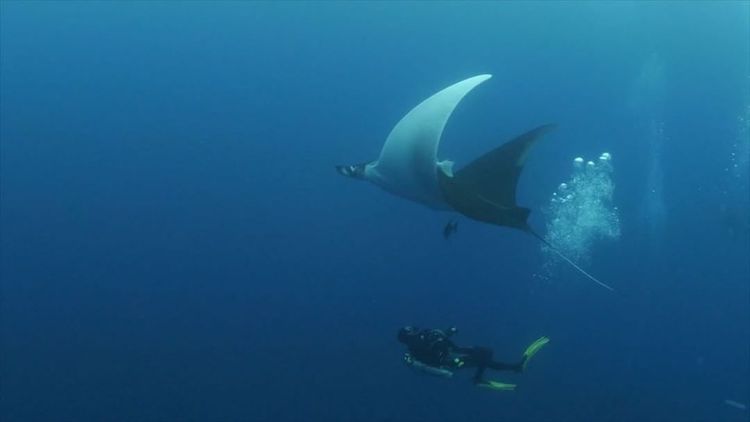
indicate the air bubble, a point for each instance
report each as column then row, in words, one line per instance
column 583, row 212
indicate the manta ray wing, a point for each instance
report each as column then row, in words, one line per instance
column 495, row 174
column 408, row 165
column 485, row 189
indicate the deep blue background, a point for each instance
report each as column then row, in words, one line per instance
column 177, row 246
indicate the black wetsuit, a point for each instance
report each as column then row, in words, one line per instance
column 434, row 348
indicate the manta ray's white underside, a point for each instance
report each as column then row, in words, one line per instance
column 408, row 164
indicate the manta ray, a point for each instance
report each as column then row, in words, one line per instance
column 483, row 190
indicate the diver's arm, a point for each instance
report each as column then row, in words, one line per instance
column 432, row 370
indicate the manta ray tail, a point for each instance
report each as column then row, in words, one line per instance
column 568, row 260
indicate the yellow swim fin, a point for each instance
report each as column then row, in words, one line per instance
column 497, row 386
column 533, row 349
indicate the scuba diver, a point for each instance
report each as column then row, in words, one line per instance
column 432, row 351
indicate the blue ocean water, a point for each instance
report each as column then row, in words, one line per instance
column 176, row 244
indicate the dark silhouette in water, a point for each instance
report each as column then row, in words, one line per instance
column 432, row 351
column 450, row 228
column 485, row 189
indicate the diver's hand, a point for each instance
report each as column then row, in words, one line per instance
column 408, row 359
